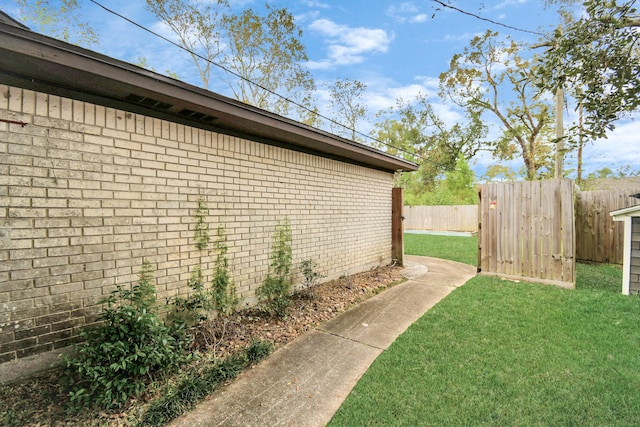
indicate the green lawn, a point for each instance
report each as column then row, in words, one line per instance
column 461, row 249
column 502, row 353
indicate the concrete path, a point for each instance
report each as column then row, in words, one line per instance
column 305, row 382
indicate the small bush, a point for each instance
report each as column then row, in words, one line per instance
column 311, row 277
column 258, row 350
column 275, row 291
column 194, row 308
column 125, row 349
column 225, row 300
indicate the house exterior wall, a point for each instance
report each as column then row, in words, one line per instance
column 634, row 264
column 88, row 192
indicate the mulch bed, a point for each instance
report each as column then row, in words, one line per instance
column 35, row 402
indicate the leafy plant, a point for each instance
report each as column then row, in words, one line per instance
column 223, row 290
column 201, row 232
column 195, row 307
column 125, row 349
column 198, row 384
column 311, row 277
column 275, row 291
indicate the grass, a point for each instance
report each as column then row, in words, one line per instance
column 503, row 353
column 454, row 248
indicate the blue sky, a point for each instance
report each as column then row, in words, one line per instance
column 397, row 49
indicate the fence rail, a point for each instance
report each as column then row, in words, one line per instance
column 441, row 218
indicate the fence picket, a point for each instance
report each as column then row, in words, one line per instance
column 521, row 232
column 598, row 237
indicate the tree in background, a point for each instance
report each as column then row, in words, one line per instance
column 498, row 172
column 196, row 25
column 346, row 106
column 456, row 186
column 262, row 54
column 266, row 50
column 490, row 76
column 60, row 19
column 597, row 57
column 412, row 130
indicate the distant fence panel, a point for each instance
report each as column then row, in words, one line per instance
column 527, row 231
column 598, row 237
column 441, row 218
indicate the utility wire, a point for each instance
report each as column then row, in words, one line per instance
column 464, row 12
column 260, row 86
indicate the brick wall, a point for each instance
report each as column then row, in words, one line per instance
column 88, row 192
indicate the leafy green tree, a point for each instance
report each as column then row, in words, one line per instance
column 262, row 53
column 346, row 105
column 499, row 172
column 491, row 76
column 60, row 19
column 415, row 132
column 456, row 186
column 597, row 57
column 460, row 183
column 267, row 51
column 196, row 25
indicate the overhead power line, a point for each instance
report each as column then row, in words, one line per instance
column 142, row 27
column 464, row 12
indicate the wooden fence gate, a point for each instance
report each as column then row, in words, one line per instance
column 526, row 231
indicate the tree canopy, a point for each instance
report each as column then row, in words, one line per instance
column 491, row 76
column 346, row 105
column 261, row 53
column 61, row 19
column 597, row 58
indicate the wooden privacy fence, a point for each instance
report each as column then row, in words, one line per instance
column 526, row 231
column 598, row 237
column 441, row 218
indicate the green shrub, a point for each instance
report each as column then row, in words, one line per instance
column 223, row 290
column 125, row 349
column 311, row 277
column 275, row 291
column 194, row 308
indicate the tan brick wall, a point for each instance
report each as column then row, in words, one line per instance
column 88, row 192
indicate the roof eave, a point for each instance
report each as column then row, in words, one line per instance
column 620, row 214
column 43, row 63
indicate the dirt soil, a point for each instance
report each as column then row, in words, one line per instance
column 36, row 401
column 308, row 309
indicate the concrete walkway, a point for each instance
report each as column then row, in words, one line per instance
column 305, row 382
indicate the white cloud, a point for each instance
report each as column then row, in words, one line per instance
column 406, row 12
column 402, row 8
column 316, row 4
column 418, row 19
column 348, row 45
column 621, row 148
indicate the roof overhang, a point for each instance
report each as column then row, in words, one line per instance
column 33, row 61
column 621, row 214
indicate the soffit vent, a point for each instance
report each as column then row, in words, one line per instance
column 194, row 115
column 148, row 102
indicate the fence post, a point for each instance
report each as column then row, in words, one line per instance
column 479, row 266
column 397, row 232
